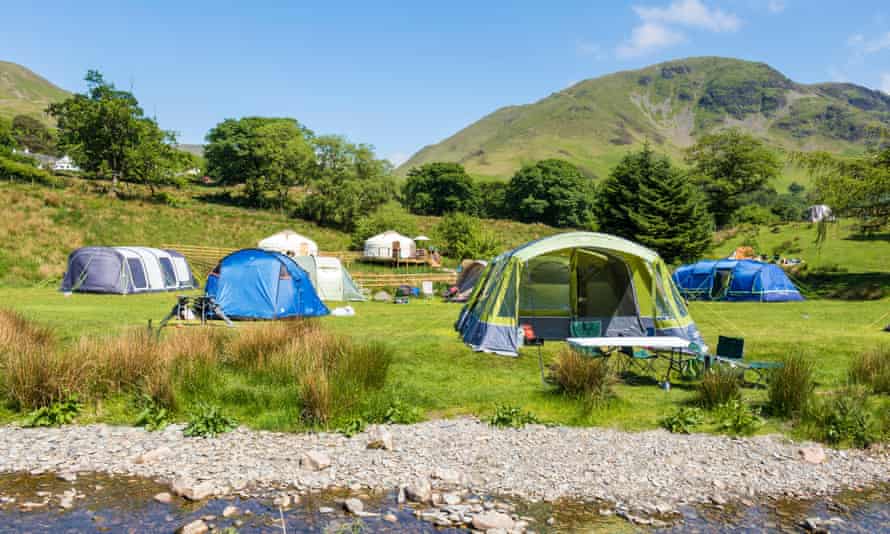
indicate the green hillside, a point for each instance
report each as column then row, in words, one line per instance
column 594, row 122
column 23, row 92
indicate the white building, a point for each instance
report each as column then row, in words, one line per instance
column 65, row 164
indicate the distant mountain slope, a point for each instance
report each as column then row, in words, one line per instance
column 594, row 122
column 23, row 92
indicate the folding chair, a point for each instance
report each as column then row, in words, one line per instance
column 587, row 329
column 532, row 339
column 641, row 358
column 426, row 289
column 731, row 350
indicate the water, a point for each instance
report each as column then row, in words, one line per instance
column 126, row 504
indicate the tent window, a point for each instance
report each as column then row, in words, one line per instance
column 137, row 273
column 168, row 272
column 283, row 273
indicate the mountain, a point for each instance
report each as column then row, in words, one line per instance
column 594, row 122
column 23, row 92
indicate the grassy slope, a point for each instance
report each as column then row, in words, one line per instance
column 40, row 227
column 584, row 123
column 24, row 92
column 447, row 378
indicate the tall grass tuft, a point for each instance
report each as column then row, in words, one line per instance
column 581, row 377
column 872, row 368
column 791, row 386
column 720, row 385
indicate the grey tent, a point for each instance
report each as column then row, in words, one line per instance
column 124, row 270
column 329, row 278
column 471, row 271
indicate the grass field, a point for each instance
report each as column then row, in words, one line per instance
column 439, row 374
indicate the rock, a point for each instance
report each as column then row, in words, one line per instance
column 67, row 476
column 391, row 518
column 164, row 498
column 30, row 505
column 401, row 497
column 190, row 490
column 551, row 521
column 315, row 461
column 325, row 510
column 282, row 501
column 420, row 490
column 230, row 511
column 446, row 475
column 66, row 502
column 489, row 520
column 451, row 499
column 812, row 455
column 197, row 526
column 354, row 506
column 153, row 455
column 380, row 438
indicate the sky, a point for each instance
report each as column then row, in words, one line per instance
column 401, row 75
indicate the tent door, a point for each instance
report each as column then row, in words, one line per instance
column 603, row 290
column 720, row 283
column 396, row 249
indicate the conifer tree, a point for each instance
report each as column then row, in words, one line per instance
column 647, row 200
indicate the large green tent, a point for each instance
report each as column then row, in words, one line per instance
column 578, row 281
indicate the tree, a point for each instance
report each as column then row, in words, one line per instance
column 550, row 191
column 107, row 134
column 439, row 188
column 463, row 236
column 347, row 182
column 728, row 164
column 285, row 157
column 647, row 200
column 33, row 134
column 491, row 200
column 7, row 140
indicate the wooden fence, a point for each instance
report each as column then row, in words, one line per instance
column 204, row 259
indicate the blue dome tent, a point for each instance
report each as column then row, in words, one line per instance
column 735, row 280
column 262, row 284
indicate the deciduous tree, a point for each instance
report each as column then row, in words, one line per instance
column 438, row 188
column 551, row 191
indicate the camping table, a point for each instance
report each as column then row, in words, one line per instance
column 673, row 345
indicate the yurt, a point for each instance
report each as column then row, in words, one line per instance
column 263, row 284
column 390, row 244
column 574, row 281
column 330, row 279
column 125, row 270
column 735, row 281
column 290, row 243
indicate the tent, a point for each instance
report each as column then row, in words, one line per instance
column 290, row 243
column 471, row 271
column 554, row 284
column 818, row 213
column 390, row 244
column 330, row 279
column 126, row 270
column 263, row 284
column 735, row 280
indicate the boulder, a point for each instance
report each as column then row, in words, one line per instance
column 492, row 520
column 419, row 490
column 193, row 491
column 380, row 438
column 812, row 455
column 354, row 506
column 198, row 526
column 315, row 461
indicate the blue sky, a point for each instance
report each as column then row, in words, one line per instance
column 400, row 75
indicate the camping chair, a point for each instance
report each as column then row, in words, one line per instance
column 641, row 358
column 426, row 289
column 731, row 350
column 532, row 339
column 587, row 329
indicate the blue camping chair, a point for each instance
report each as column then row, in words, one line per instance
column 731, row 350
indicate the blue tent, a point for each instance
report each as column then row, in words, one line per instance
column 735, row 280
column 262, row 284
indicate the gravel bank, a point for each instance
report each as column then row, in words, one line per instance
column 647, row 470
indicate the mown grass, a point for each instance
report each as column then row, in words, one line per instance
column 433, row 370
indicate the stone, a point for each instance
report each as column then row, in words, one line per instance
column 153, row 455
column 66, row 502
column 391, row 518
column 812, row 455
column 315, row 461
column 447, row 475
column 491, row 519
column 198, row 526
column 419, row 490
column 67, row 476
column 282, row 501
column 354, row 506
column 380, row 438
column 451, row 499
column 230, row 511
column 193, row 491
column 325, row 510
column 163, row 498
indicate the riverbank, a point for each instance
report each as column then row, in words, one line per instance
column 650, row 472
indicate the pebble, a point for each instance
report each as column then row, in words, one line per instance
column 354, row 506
column 163, row 497
column 230, row 511
column 197, row 526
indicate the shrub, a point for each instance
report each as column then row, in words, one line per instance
column 872, row 368
column 791, row 386
column 153, row 415
column 844, row 418
column 207, row 420
column 582, row 377
column 56, row 414
column 719, row 385
column 463, row 236
column 505, row 416
column 683, row 421
column 737, row 418
column 16, row 171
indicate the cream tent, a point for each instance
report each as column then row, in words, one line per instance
column 330, row 279
column 290, row 243
column 390, row 244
